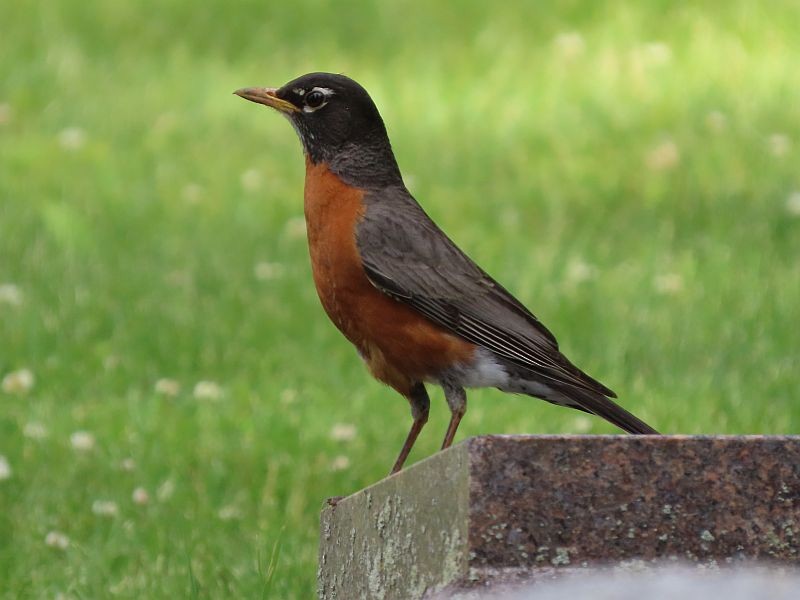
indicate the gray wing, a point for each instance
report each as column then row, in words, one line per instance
column 407, row 257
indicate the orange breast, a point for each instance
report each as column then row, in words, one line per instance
column 400, row 346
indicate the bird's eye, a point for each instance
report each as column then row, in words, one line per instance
column 315, row 99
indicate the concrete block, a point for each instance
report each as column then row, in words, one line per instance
column 496, row 510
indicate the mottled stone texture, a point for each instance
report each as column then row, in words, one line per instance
column 498, row 509
column 401, row 537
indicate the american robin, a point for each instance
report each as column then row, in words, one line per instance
column 415, row 306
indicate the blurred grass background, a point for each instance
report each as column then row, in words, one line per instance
column 175, row 405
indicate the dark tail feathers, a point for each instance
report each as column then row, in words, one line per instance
column 599, row 405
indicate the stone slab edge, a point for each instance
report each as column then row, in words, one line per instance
column 404, row 536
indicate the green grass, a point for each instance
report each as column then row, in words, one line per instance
column 627, row 184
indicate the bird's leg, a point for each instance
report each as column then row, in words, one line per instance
column 457, row 401
column 420, row 406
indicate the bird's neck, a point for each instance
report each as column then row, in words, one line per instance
column 367, row 164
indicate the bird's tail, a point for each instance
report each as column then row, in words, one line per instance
column 579, row 391
column 600, row 405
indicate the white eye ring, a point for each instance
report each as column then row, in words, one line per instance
column 316, row 94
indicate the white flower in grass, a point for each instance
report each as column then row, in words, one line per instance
column 127, row 464
column 82, row 441
column 581, row 424
column 192, row 193
column 288, row 396
column 657, row 53
column 140, row 496
column 18, row 382
column 167, row 387
column 793, row 204
column 229, row 512
column 716, row 121
column 343, row 432
column 56, row 539
column 207, row 390
column 295, row 228
column 165, row 490
column 579, row 271
column 663, row 157
column 34, row 431
column 72, row 138
column 779, row 144
column 251, row 180
column 569, row 44
column 264, row 271
column 340, row 463
column 10, row 294
column 668, row 283
column 5, row 468
column 105, row 508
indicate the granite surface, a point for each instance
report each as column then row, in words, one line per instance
column 501, row 509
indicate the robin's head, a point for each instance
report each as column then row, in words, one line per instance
column 337, row 121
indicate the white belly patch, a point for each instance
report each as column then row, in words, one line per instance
column 485, row 371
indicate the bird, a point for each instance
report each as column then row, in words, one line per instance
column 416, row 307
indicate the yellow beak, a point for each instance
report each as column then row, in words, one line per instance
column 267, row 97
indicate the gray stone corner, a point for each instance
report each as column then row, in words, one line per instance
column 497, row 510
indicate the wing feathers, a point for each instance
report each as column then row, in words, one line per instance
column 410, row 259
